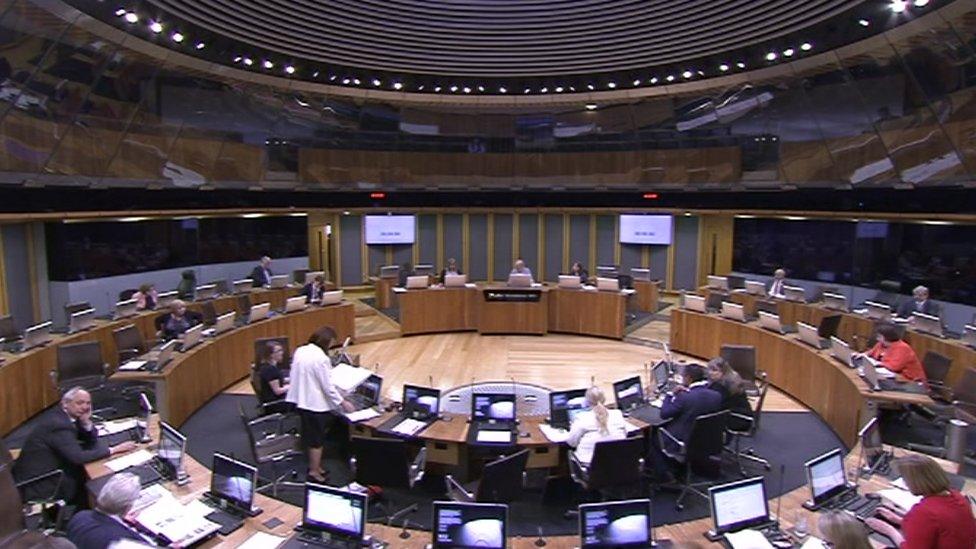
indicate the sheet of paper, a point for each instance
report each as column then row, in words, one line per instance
column 494, row 436
column 347, row 377
column 631, row 428
column 262, row 540
column 408, row 427
column 470, row 285
column 399, row 290
column 135, row 458
column 813, row 543
column 901, row 498
column 149, row 495
column 177, row 523
column 899, row 483
column 362, row 415
column 132, row 365
column 748, row 539
column 553, row 434
column 116, row 426
column 628, row 291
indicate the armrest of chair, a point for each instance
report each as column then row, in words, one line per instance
column 266, row 405
column 662, row 433
column 55, row 474
column 268, row 425
column 418, row 466
column 457, row 492
column 743, row 417
column 577, row 470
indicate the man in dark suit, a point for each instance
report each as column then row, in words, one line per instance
column 261, row 275
column 688, row 401
column 106, row 524
column 64, row 439
column 920, row 303
column 314, row 289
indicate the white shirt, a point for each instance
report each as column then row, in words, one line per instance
column 584, row 433
column 776, row 288
column 310, row 385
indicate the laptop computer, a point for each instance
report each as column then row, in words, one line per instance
column 693, row 303
column 570, row 282
column 417, row 282
column 420, row 407
column 205, row 292
column 874, row 458
column 37, row 335
column 191, row 338
column 840, row 350
column 331, row 298
column 876, row 376
column 232, row 487
column 794, row 293
column 81, row 321
column 332, row 518
column 493, row 418
column 738, row 505
column 564, row 406
column 455, row 280
column 310, row 276
column 928, row 324
column 258, row 312
column 243, row 286
column 754, row 287
column 425, row 269
column 608, row 284
column 225, row 323
column 810, row 335
column 278, row 281
column 718, row 282
column 771, row 322
column 835, row 302
column 641, row 274
column 734, row 311
column 168, row 461
column 153, row 361
column 629, row 396
column 295, row 304
column 125, row 309
column 367, row 393
column 519, row 280
column 389, row 271
column 616, row 524
column 464, row 525
column 877, row 311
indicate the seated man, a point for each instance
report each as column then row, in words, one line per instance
column 920, row 303
column 776, row 286
column 688, row 401
column 896, row 355
column 261, row 275
column 106, row 524
column 314, row 289
column 451, row 269
column 406, row 271
column 520, row 268
column 64, row 439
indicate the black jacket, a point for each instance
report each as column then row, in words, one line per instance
column 96, row 530
column 259, row 278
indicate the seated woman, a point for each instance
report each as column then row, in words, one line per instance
column 146, row 298
column 896, row 355
column 942, row 520
column 274, row 385
column 178, row 320
column 451, row 269
column 578, row 270
column 728, row 383
column 594, row 425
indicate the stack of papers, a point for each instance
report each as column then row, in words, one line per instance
column 116, row 426
column 409, row 427
column 129, row 460
column 262, row 540
column 347, row 377
column 132, row 365
column 494, row 436
column 748, row 539
column 902, row 499
column 181, row 525
column 362, row 415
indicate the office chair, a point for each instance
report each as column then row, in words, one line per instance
column 701, row 455
column 72, row 308
column 8, row 328
column 126, row 295
column 243, row 304
column 616, row 464
column 129, row 343
column 625, row 282
column 962, row 406
column 888, row 292
column 80, row 364
column 742, row 426
column 386, row 462
column 742, row 359
column 298, row 275
column 937, row 366
column 40, row 492
column 272, row 444
column 502, row 481
column 208, row 312
column 714, row 300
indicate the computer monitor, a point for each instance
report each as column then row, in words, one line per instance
column 755, row 287
column 826, row 477
column 455, row 280
column 570, row 281
column 608, row 271
column 333, row 512
column 870, row 438
column 233, row 481
column 81, row 321
column 714, row 299
column 295, row 304
column 565, row 405
column 421, row 402
column 736, row 282
column 371, row 389
column 606, row 284
column 469, row 525
column 278, row 281
column 8, row 328
column 224, row 323
column 417, row 282
column 738, row 505
column 628, row 393
column 928, row 324
column 37, row 335
column 733, row 311
column 877, row 311
column 840, row 350
column 638, row 273
column 259, row 312
column 828, row 326
column 493, row 407
column 661, row 372
column 808, row 334
column 172, row 445
column 389, row 271
column 125, row 309
column 191, row 337
column 243, row 285
column 331, row 298
column 718, row 282
column 615, row 524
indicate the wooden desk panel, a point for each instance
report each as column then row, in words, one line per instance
column 438, row 310
column 647, row 296
column 500, row 317
column 587, row 312
column 384, row 292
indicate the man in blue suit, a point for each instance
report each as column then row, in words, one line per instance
column 689, row 400
column 106, row 524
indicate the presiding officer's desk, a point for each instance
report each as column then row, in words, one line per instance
column 504, row 310
column 852, row 324
column 26, row 387
column 809, row 375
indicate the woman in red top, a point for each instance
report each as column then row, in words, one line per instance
column 942, row 520
column 896, row 355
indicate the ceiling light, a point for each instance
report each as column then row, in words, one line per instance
column 481, row 88
column 591, row 106
column 238, row 59
column 397, row 86
column 559, row 89
column 771, row 56
column 268, row 64
column 290, row 69
column 177, row 37
column 466, row 90
column 687, row 74
column 120, row 12
column 863, row 22
column 200, row 45
column 637, row 82
column 898, row 6
column 437, row 89
column 806, row 46
column 332, row 78
column 376, row 82
column 131, row 17
column 345, row 81
column 454, row 88
column 653, row 80
column 420, row 87
column 670, row 78
column 356, row 81
column 503, row 89
column 741, row 65
column 526, row 90
column 723, row 67
column 248, row 61
column 921, row 3
column 788, row 52
column 611, row 85
column 544, row 90
column 156, row 27
column 590, row 87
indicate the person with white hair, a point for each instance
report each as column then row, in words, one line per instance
column 777, row 283
column 106, row 524
column 261, row 275
column 596, row 424
column 919, row 303
column 63, row 439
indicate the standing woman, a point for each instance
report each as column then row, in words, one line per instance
column 595, row 425
column 319, row 402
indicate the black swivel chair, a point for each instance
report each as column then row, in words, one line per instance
column 244, row 304
column 962, row 406
column 8, row 328
column 701, row 455
column 714, row 300
column 742, row 426
column 502, row 481
column 273, row 445
column 616, row 465
column 128, row 343
column 386, row 462
column 44, row 489
column 742, row 359
column 81, row 365
column 937, row 366
column 126, row 295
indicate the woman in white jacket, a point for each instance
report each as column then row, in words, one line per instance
column 594, row 425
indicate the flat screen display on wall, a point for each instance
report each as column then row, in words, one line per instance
column 390, row 229
column 645, row 229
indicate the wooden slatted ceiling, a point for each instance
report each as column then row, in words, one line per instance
column 498, row 38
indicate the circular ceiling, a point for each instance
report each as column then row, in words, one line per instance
column 503, row 38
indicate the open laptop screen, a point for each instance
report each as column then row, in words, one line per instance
column 739, row 505
column 172, row 444
column 233, row 481
column 615, row 524
column 628, row 393
column 423, row 400
column 370, row 389
column 826, row 476
column 562, row 404
column 464, row 525
column 334, row 511
column 493, row 406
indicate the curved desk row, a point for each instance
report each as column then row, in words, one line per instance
column 502, row 310
column 25, row 378
column 851, row 325
column 809, row 375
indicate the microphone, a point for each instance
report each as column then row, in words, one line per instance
column 779, row 498
column 400, row 513
column 541, row 541
column 405, row 534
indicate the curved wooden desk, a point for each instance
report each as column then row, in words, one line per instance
column 811, row 376
column 25, row 378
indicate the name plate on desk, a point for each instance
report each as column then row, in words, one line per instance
column 513, row 295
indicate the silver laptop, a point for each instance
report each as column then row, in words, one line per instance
column 637, row 273
column 969, row 335
column 418, row 282
column 259, row 312
column 520, row 280
column 191, row 337
column 754, row 287
column 571, row 282
column 207, row 291
column 835, row 302
column 718, row 282
column 840, row 350
column 808, row 334
column 877, row 311
column 869, row 372
column 225, row 323
column 693, row 303
column 310, row 276
column 37, row 335
column 733, row 311
column 607, row 284
column 331, row 298
column 243, row 285
column 81, row 321
column 278, row 281
column 794, row 293
column 294, row 304
column 455, row 280
column 928, row 324
column 772, row 323
column 125, row 309
column 165, row 298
